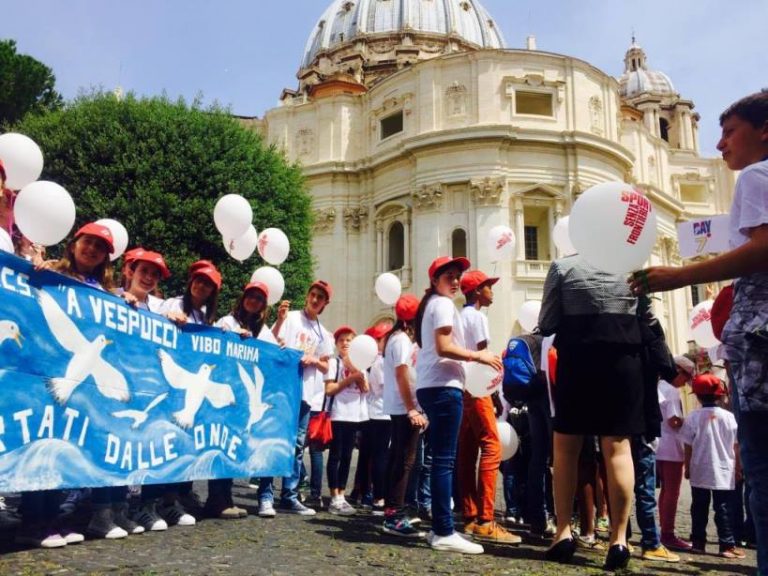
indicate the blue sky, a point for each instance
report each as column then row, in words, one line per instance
column 242, row 53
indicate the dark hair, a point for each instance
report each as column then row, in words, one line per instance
column 705, row 399
column 251, row 322
column 67, row 266
column 210, row 304
column 420, row 314
column 752, row 109
column 402, row 326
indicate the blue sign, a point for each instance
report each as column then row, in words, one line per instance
column 96, row 393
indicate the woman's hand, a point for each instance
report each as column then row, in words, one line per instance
column 417, row 419
column 485, row 357
column 178, row 318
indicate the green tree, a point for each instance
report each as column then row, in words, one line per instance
column 159, row 167
column 26, row 85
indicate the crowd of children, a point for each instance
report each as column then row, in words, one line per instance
column 410, row 408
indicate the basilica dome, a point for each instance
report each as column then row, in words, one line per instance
column 369, row 39
column 639, row 79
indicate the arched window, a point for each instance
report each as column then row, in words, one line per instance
column 459, row 243
column 664, row 129
column 396, row 246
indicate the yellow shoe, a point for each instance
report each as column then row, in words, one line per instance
column 661, row 554
column 591, row 544
column 469, row 527
column 492, row 532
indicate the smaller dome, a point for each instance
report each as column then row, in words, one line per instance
column 638, row 79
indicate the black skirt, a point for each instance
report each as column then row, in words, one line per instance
column 599, row 390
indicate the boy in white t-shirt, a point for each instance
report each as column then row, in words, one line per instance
column 711, row 464
column 301, row 330
column 477, row 484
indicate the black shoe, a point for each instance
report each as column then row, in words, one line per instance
column 617, row 558
column 561, row 551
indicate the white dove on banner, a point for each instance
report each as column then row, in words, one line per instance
column 198, row 387
column 140, row 416
column 10, row 330
column 86, row 357
column 255, row 388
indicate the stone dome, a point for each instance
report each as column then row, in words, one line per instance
column 382, row 31
column 638, row 79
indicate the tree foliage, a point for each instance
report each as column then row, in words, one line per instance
column 159, row 167
column 26, row 85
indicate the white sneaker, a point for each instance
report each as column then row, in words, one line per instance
column 148, row 517
column 341, row 507
column 102, row 525
column 267, row 509
column 455, row 543
column 174, row 514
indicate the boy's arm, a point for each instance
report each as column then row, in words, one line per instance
column 739, row 471
column 687, row 465
column 748, row 258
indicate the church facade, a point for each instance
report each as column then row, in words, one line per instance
column 418, row 132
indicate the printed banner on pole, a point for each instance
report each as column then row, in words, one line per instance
column 96, row 393
column 705, row 236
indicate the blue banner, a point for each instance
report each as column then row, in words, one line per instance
column 96, row 393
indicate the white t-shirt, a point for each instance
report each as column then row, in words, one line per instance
column 310, row 337
column 432, row 371
column 153, row 304
column 349, row 405
column 475, row 325
column 229, row 322
column 177, row 305
column 400, row 351
column 750, row 202
column 711, row 432
column 670, row 445
column 375, row 396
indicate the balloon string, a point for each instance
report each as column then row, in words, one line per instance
column 494, row 268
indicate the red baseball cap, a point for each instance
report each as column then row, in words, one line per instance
column 378, row 331
column 444, row 261
column 721, row 310
column 99, row 231
column 473, row 279
column 406, row 307
column 153, row 258
column 707, row 385
column 324, row 286
column 199, row 264
column 131, row 255
column 260, row 286
column 341, row 330
column 210, row 272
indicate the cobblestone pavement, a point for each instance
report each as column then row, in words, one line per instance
column 324, row 544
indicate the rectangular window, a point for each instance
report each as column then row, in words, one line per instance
column 694, row 193
column 695, row 295
column 531, row 239
column 391, row 125
column 536, row 103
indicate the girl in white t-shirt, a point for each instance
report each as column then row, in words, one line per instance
column 440, row 382
column 408, row 421
column 249, row 316
column 347, row 388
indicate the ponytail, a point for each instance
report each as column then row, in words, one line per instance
column 420, row 314
column 400, row 326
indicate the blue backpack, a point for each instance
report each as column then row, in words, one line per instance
column 522, row 378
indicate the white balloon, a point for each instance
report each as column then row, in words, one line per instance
column 613, row 227
column 501, row 243
column 232, row 215
column 562, row 238
column 44, row 212
column 481, row 380
column 508, row 438
column 6, row 244
column 22, row 159
column 388, row 288
column 243, row 247
column 700, row 324
column 363, row 351
column 529, row 314
column 274, row 245
column 274, row 281
column 119, row 236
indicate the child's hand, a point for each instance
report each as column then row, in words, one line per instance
column 739, row 474
column 178, row 318
column 130, row 299
column 687, row 473
column 282, row 309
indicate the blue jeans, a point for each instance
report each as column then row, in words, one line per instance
column 700, row 498
column 290, row 488
column 443, row 407
column 540, row 427
column 753, row 430
column 644, row 460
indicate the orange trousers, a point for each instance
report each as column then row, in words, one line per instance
column 478, row 433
